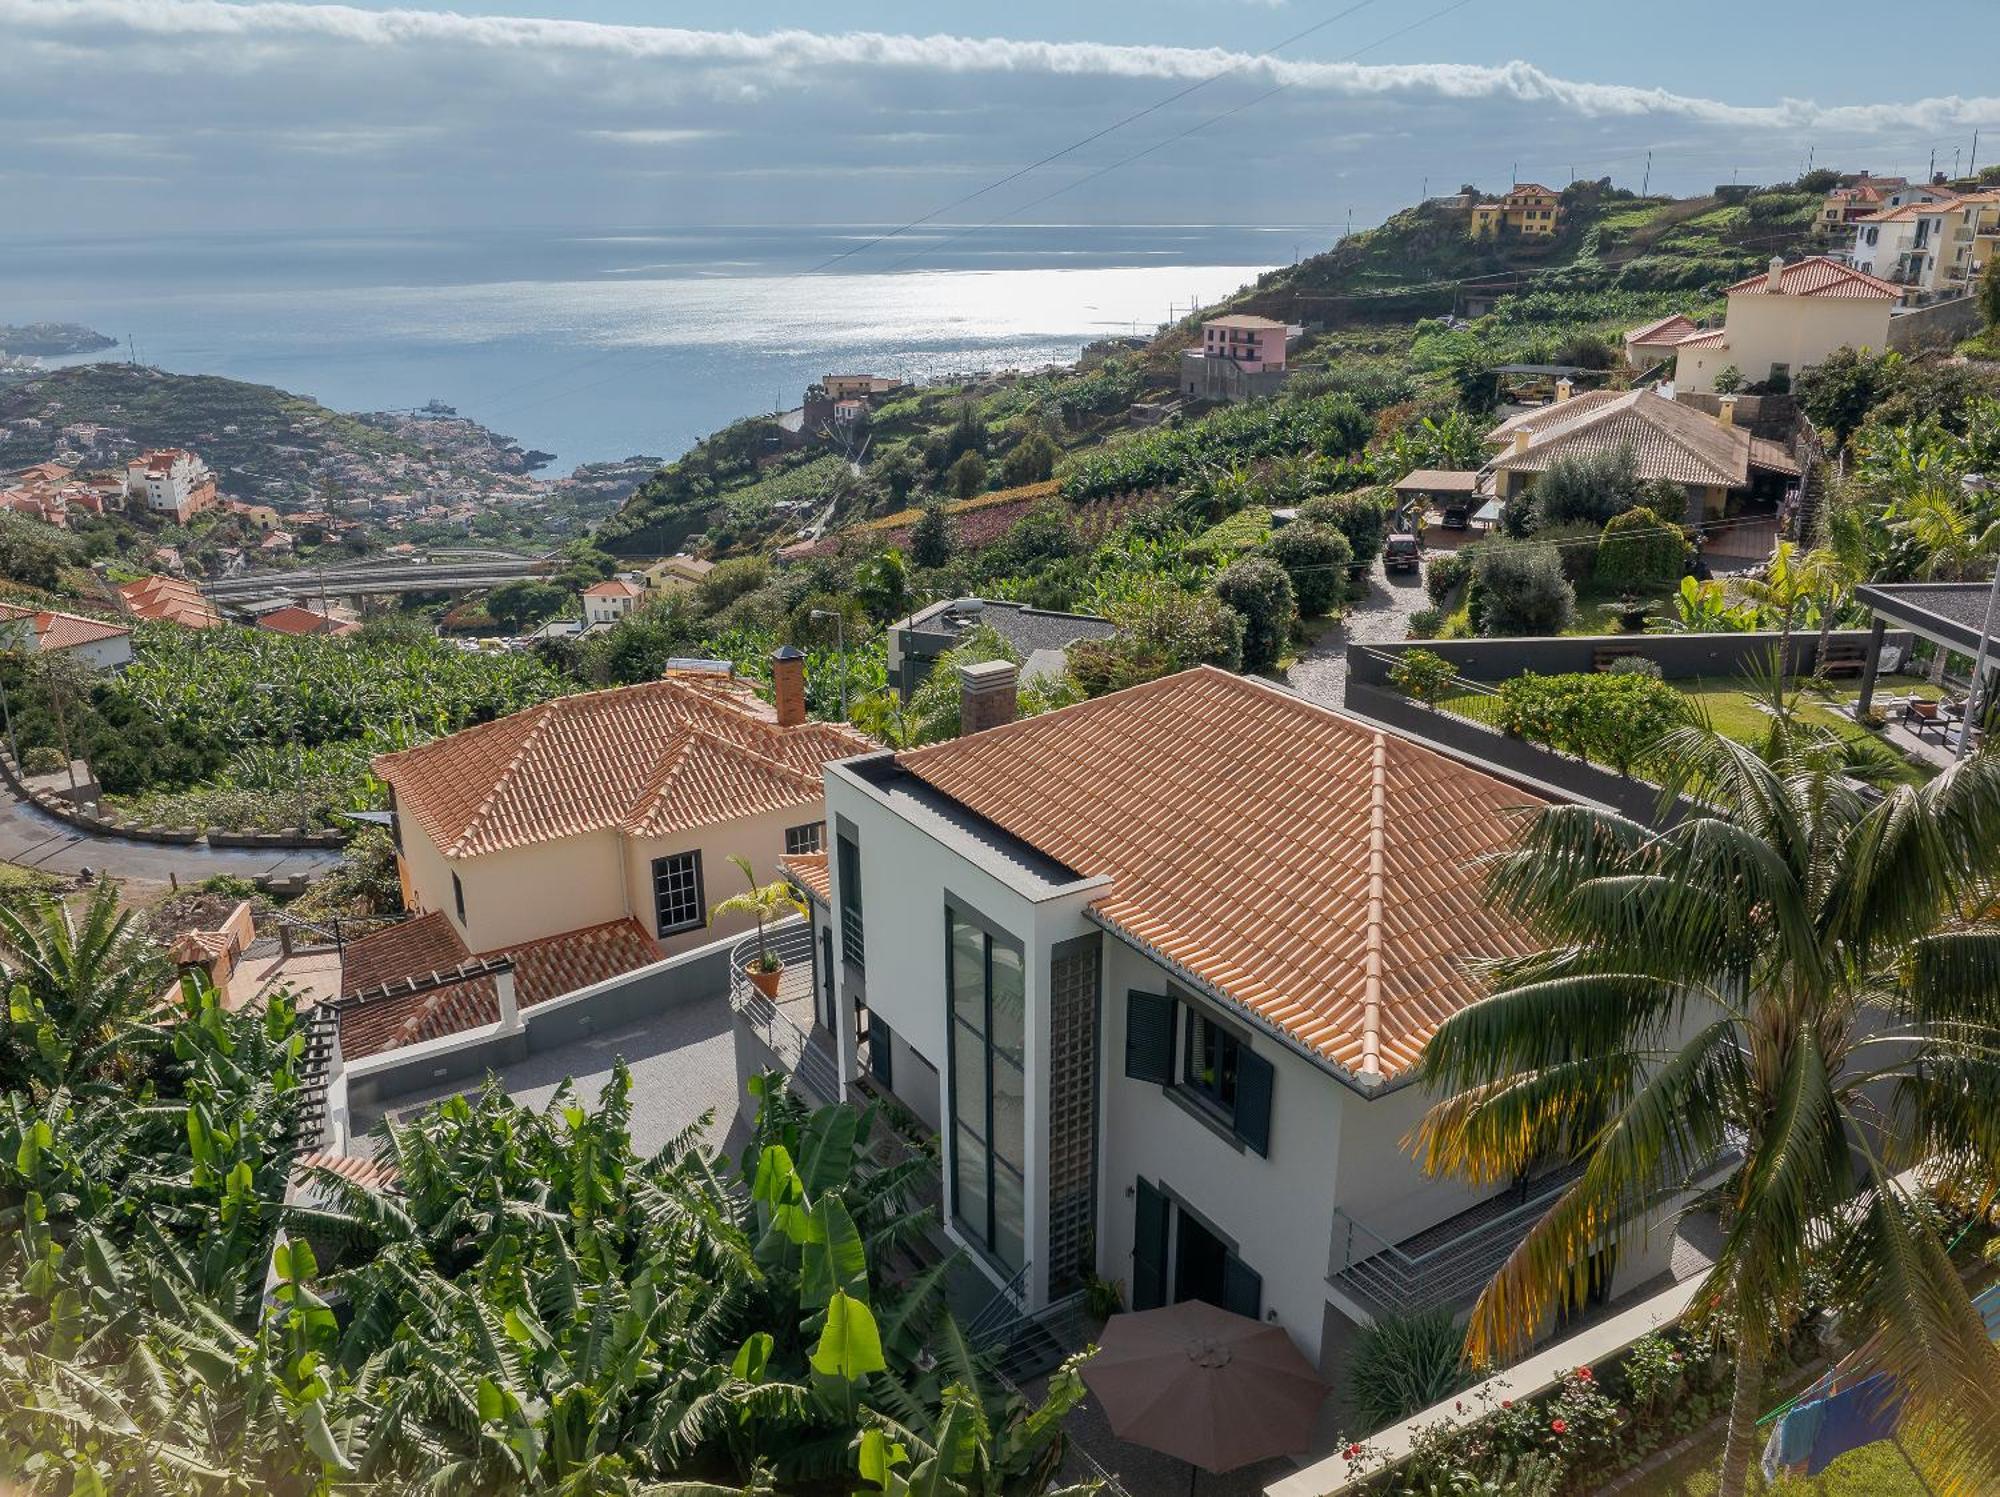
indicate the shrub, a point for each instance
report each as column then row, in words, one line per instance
column 1403, row 1364
column 730, row 580
column 968, row 475
column 1446, row 573
column 1423, row 674
column 1728, row 380
column 1634, row 665
column 1640, row 550
column 1575, row 546
column 1588, row 488
column 931, row 539
column 1362, row 516
column 1032, row 460
column 1520, row 589
column 1317, row 558
column 1425, row 623
column 1609, row 718
column 1161, row 629
column 1259, row 589
column 43, row 758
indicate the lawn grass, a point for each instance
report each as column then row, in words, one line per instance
column 1872, row 1471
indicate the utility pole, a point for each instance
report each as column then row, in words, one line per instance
column 1933, row 170
column 1972, row 161
column 1978, row 699
column 1646, row 181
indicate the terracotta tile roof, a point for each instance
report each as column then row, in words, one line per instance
column 616, row 587
column 1773, row 457
column 1665, row 330
column 682, row 752
column 808, row 871
column 295, row 620
column 420, row 950
column 1532, row 189
column 1245, row 322
column 369, row 1174
column 1670, row 441
column 62, row 631
column 1315, row 869
column 1818, row 275
column 1907, row 213
column 169, row 600
column 1713, row 338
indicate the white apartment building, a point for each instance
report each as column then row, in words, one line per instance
column 171, row 481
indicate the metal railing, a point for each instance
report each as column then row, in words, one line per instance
column 1392, row 1277
column 805, row 1050
column 1009, row 1303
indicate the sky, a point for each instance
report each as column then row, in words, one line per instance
column 178, row 116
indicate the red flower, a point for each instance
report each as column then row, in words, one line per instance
column 1559, row 1426
column 1583, row 1373
column 1506, row 1403
column 1353, row 1452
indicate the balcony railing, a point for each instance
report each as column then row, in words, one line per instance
column 787, row 1024
column 1447, row 1264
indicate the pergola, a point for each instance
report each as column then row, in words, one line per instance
column 1955, row 616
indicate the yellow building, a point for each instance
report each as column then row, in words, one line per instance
column 1529, row 208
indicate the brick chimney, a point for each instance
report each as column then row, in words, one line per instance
column 788, row 685
column 988, row 695
column 1727, row 415
column 1775, row 281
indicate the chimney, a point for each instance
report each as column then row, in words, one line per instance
column 1521, row 439
column 1727, row 415
column 1564, row 389
column 987, row 695
column 1774, row 282
column 788, row 685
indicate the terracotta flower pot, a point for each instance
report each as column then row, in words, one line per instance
column 764, row 982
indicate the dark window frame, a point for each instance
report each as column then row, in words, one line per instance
column 807, row 837
column 458, row 895
column 853, row 924
column 662, row 867
column 1216, row 1091
column 995, row 1155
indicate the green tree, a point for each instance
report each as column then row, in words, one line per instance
column 897, row 473
column 1519, row 588
column 968, row 476
column 1423, row 674
column 1317, row 558
column 1162, row 629
column 932, row 542
column 1728, row 380
column 881, row 582
column 1799, row 969
column 1032, row 459
column 933, row 713
column 520, row 605
column 1587, row 488
column 1989, row 293
column 1362, row 516
column 1259, row 589
column 1641, row 550
column 77, row 983
column 1838, row 391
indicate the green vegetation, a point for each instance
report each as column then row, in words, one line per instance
column 1759, row 950
column 1403, row 1364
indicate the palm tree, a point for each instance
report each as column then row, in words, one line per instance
column 1798, row 971
column 764, row 903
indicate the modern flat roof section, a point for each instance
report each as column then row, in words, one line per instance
column 1315, row 869
column 1947, row 613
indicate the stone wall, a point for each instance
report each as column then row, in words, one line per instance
column 1940, row 322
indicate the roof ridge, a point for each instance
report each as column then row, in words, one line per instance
column 1373, row 934
column 544, row 713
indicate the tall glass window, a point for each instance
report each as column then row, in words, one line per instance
column 986, row 976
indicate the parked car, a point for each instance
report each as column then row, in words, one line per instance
column 1403, row 553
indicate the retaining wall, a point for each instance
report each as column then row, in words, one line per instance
column 1940, row 322
column 1679, row 655
column 99, row 825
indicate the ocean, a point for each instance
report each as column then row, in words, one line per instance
column 603, row 344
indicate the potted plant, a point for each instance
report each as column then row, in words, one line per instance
column 763, row 903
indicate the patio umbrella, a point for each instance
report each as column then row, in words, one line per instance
column 1214, row 1389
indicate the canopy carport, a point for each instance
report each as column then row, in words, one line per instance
column 1959, row 617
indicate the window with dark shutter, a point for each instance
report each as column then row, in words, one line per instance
column 1252, row 1121
column 1149, row 1037
column 1149, row 1249
column 1242, row 1288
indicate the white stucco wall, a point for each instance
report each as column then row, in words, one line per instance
column 1801, row 330
column 761, row 839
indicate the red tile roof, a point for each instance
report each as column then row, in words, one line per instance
column 1819, row 276
column 808, row 871
column 617, row 587
column 1670, row 441
column 63, row 631
column 1315, row 869
column 169, row 600
column 295, row 620
column 684, row 752
column 1665, row 330
column 429, row 946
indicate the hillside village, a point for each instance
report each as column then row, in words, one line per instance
column 1311, row 820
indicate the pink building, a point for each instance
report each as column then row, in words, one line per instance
column 1255, row 343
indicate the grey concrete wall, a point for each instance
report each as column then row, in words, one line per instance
column 1515, row 757
column 1941, row 322
column 639, row 995
column 1679, row 655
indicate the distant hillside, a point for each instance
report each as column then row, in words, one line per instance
column 51, row 339
column 263, row 443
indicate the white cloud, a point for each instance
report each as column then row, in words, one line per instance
column 652, row 137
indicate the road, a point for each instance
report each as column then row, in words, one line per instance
column 1382, row 617
column 373, row 577
column 35, row 839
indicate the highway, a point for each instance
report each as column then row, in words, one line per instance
column 375, row 576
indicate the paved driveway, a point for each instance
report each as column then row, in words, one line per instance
column 1382, row 617
column 32, row 837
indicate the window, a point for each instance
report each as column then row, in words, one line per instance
column 1219, row 1074
column 808, row 838
column 458, row 897
column 677, row 902
column 1210, row 1065
column 848, row 854
column 986, row 980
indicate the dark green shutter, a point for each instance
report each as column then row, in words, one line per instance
column 1149, row 1250
column 1149, row 1037
column 1242, row 1288
column 1253, row 1102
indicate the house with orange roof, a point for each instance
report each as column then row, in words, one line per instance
column 1527, row 208
column 31, row 631
column 1784, row 319
column 169, row 600
column 624, row 804
column 609, row 601
column 295, row 620
column 1159, row 969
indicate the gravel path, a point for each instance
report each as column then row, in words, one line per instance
column 1383, row 617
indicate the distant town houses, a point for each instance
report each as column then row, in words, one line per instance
column 171, row 481
column 1932, row 247
column 675, row 574
column 95, row 642
column 169, row 600
column 609, row 601
column 50, row 492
